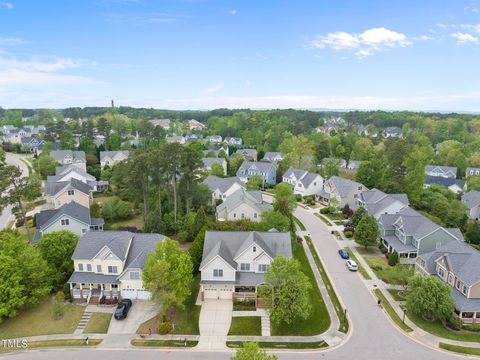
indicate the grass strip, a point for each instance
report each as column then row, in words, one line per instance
column 439, row 329
column 54, row 343
column 361, row 269
column 460, row 349
column 300, row 224
column 323, row 219
column 163, row 343
column 391, row 311
column 282, row 345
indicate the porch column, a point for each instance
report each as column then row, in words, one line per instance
column 71, row 291
column 81, row 291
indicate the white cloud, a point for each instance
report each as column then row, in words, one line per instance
column 464, row 38
column 474, row 27
column 425, row 37
column 365, row 43
column 233, row 12
column 6, row 4
column 211, row 90
column 11, row 41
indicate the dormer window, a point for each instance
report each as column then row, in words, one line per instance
column 70, row 192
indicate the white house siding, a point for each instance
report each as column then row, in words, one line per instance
column 218, row 263
column 243, row 211
column 74, row 226
column 312, row 189
column 250, row 257
column 474, row 213
column 214, row 291
column 218, row 195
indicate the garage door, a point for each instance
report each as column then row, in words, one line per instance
column 143, row 295
column 135, row 294
column 217, row 292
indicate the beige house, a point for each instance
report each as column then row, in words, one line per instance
column 110, row 158
column 340, row 191
column 109, row 265
column 63, row 192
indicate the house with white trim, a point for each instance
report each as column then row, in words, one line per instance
column 441, row 171
column 69, row 157
column 303, row 182
column 110, row 158
column 221, row 188
column 243, row 204
column 264, row 169
column 472, row 200
column 60, row 193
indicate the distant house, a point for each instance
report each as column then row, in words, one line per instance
column 208, row 162
column 263, row 169
column 472, row 200
column 234, row 141
column 393, row 131
column 221, row 188
column 109, row 265
column 67, row 172
column 63, row 192
column 69, row 157
column 344, row 191
column 409, row 233
column 193, row 137
column 216, row 150
column 71, row 216
column 342, row 163
column 441, row 171
column 196, row 125
column 452, row 184
column 377, row 202
column 327, row 129
column 273, row 156
column 163, row 123
column 234, row 262
column 248, row 154
column 215, row 139
column 32, row 144
column 304, row 183
column 456, row 264
column 243, row 204
column 353, row 165
column 110, row 158
column 472, row 171
column 176, row 138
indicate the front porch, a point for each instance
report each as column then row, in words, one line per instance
column 406, row 254
column 468, row 317
column 249, row 294
column 94, row 293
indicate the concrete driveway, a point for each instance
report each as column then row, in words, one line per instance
column 141, row 311
column 214, row 323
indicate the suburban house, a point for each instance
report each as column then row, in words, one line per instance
column 456, row 264
column 176, row 138
column 243, row 204
column 234, row 141
column 163, row 123
column 393, row 131
column 441, row 171
column 342, row 191
column 63, row 192
column 410, row 234
column 32, row 144
column 67, row 172
column 234, row 262
column 303, row 182
column 248, row 154
column 208, row 162
column 472, row 171
column 110, row 158
column 263, row 169
column 193, row 137
column 109, row 264
column 452, row 184
column 71, row 216
column 472, row 200
column 215, row 139
column 221, row 188
column 352, row 165
column 273, row 157
column 377, row 203
column 69, row 157
column 215, row 149
column 326, row 129
column 196, row 125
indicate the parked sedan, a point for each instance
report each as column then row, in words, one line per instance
column 122, row 309
column 343, row 254
column 351, row 265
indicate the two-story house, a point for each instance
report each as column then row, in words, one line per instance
column 109, row 264
column 265, row 170
column 209, row 161
column 456, row 264
column 195, row 125
column 377, row 203
column 441, row 171
column 273, row 157
column 243, row 204
column 341, row 191
column 472, row 200
column 67, row 172
column 234, row 262
column 234, row 141
column 410, row 234
column 304, row 183
column 69, row 157
column 214, row 139
column 63, row 192
column 32, row 144
column 110, row 158
column 248, row 154
column 70, row 216
column 472, row 171
column 221, row 188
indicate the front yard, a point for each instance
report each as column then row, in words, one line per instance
column 39, row 321
column 98, row 323
column 439, row 329
column 246, row 325
column 394, row 275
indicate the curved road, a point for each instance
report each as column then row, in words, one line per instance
column 373, row 336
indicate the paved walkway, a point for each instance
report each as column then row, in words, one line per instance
column 214, row 323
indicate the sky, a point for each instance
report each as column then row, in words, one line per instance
column 204, row 54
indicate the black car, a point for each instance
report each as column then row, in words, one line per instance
column 122, row 309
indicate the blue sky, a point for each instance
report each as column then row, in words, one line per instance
column 201, row 54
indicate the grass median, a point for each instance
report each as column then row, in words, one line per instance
column 282, row 345
column 163, row 343
column 460, row 349
column 391, row 311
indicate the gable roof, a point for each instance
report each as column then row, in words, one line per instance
column 443, row 169
column 74, row 210
column 344, row 186
column 252, row 198
column 376, row 201
column 61, row 171
column 52, row 188
column 471, row 199
column 262, row 166
column 59, row 155
column 222, row 184
column 111, row 154
column 209, row 161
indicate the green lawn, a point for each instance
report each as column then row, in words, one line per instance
column 246, row 325
column 163, row 343
column 460, row 349
column 283, row 345
column 319, row 319
column 98, row 323
column 437, row 328
column 337, row 216
column 63, row 342
column 391, row 312
column 39, row 321
column 331, row 292
column 135, row 221
column 300, row 224
column 396, row 294
column 323, row 219
column 186, row 320
column 371, row 250
column 361, row 269
column 385, row 272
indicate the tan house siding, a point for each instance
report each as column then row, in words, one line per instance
column 475, row 291
column 64, row 198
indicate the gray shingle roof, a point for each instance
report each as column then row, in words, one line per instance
column 376, row 201
column 242, row 196
column 209, row 161
column 262, row 166
column 471, row 199
column 223, row 184
column 53, row 188
column 46, row 217
column 443, row 169
column 59, row 155
column 111, row 154
column 79, row 277
column 344, row 186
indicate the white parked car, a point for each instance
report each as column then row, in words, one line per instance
column 351, row 265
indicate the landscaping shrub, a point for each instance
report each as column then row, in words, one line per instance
column 383, row 249
column 454, row 323
column 298, row 197
column 66, row 291
column 58, row 307
column 309, row 200
column 348, row 234
column 164, row 328
column 392, row 258
column 346, row 210
column 115, row 209
column 325, row 210
column 472, row 327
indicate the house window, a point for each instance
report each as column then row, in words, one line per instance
column 450, row 279
column 99, row 268
column 464, row 290
column 217, row 272
column 80, row 267
column 457, row 284
column 134, row 275
column 70, row 192
column 262, row 268
column 243, row 216
column 255, row 215
column 65, row 222
column 112, row 269
column 234, row 215
column 89, row 267
column 245, row 267
column 440, row 272
column 254, row 248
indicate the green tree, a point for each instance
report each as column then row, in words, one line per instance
column 362, row 150
column 66, row 140
column 369, row 173
column 234, row 164
column 415, row 162
column 284, row 201
column 217, row 170
column 115, row 209
column 473, row 183
column 367, row 232
column 57, row 250
column 429, row 298
column 167, row 275
column 252, row 351
column 274, row 220
column 330, row 167
column 255, row 182
column 358, row 215
column 472, row 233
column 45, row 165
column 290, row 288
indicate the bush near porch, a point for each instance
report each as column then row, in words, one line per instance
column 319, row 319
column 246, row 325
column 439, row 329
column 39, row 321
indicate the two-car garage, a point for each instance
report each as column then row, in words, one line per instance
column 222, row 292
column 133, row 294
